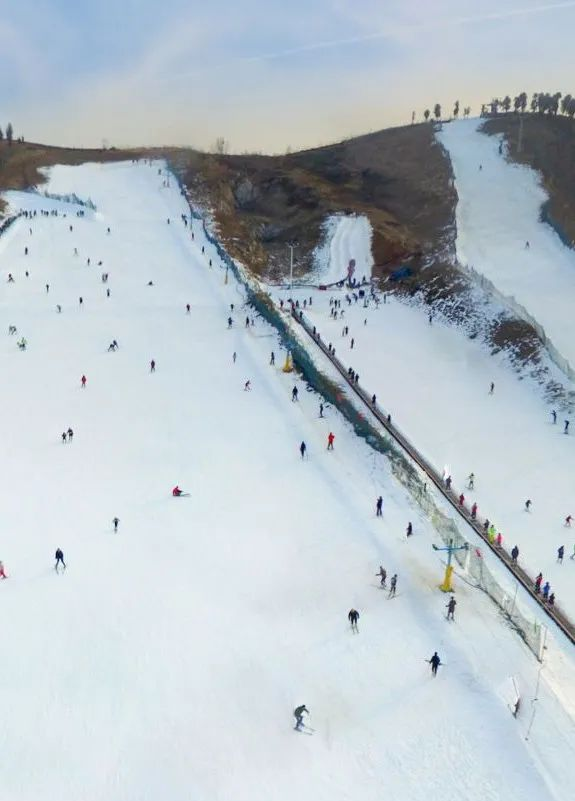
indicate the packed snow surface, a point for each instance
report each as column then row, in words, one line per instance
column 345, row 237
column 165, row 662
column 500, row 235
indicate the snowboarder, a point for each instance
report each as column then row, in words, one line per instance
column 409, row 530
column 492, row 388
column 554, row 416
column 2, row 571
column 294, row 394
column 116, row 521
column 330, row 439
column 298, row 714
column 435, row 662
column 393, row 586
column 566, row 427
column 302, row 449
column 382, row 575
column 353, row 617
column 379, row 507
column 176, row 492
column 83, row 381
column 474, row 511
column 538, row 581
column 471, row 481
column 272, row 358
column 153, row 366
column 59, row 559
column 528, row 505
column 560, row 554
column 451, row 609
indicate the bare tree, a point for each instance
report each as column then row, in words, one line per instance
column 437, row 111
column 426, row 114
column 9, row 133
column 220, row 146
column 506, row 103
column 467, row 111
column 456, row 109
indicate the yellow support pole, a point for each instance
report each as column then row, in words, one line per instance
column 446, row 586
column 288, row 366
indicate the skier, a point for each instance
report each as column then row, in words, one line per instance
column 330, row 439
column 321, row 410
column 247, row 386
column 294, row 394
column 382, row 575
column 176, row 492
column 298, row 714
column 188, row 307
column 471, row 481
column 353, row 617
column 153, row 366
column 566, row 427
column 560, row 554
column 64, row 437
column 59, row 559
column 568, row 520
column 47, row 288
column 554, row 416
column 2, row 571
column 302, row 449
column 81, row 301
column 234, row 357
column 272, row 358
column 538, row 581
column 70, row 435
column 546, row 588
column 393, row 586
column 528, row 505
column 474, row 511
column 435, row 662
column 230, row 321
column 83, row 381
column 379, row 507
column 115, row 521
column 492, row 388
column 451, row 609
column 409, row 530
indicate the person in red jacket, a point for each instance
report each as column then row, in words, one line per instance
column 461, row 499
column 176, row 492
column 474, row 511
column 330, row 439
column 2, row 573
column 83, row 380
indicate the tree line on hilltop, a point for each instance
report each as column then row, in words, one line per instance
column 540, row 103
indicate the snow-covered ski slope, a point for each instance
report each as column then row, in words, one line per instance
column 165, row 662
column 345, row 237
column 498, row 213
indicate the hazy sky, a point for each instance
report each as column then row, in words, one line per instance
column 266, row 74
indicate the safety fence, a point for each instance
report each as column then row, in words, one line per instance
column 407, row 464
column 473, row 560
